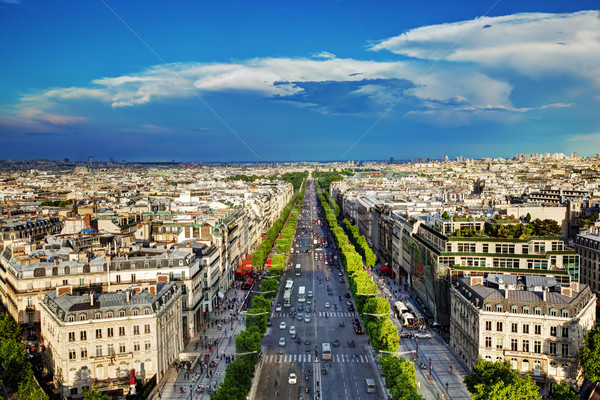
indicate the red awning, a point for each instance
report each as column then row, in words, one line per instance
column 247, row 268
column 385, row 268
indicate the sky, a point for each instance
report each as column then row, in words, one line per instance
column 297, row 80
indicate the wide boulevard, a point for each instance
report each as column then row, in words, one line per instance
column 331, row 320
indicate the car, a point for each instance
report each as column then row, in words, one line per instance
column 340, row 273
column 269, row 323
column 299, row 316
column 278, row 307
column 347, row 295
column 351, row 307
column 308, row 309
column 423, row 335
column 327, row 278
column 405, row 334
column 282, row 325
column 307, row 318
column 292, row 379
column 282, row 341
column 292, row 310
column 308, row 301
column 341, row 280
column 326, row 304
column 293, row 331
column 310, row 294
column 335, row 343
column 351, row 343
column 342, row 324
column 300, row 307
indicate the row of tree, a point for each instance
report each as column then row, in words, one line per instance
column 360, row 243
column 400, row 377
column 378, row 326
column 239, row 374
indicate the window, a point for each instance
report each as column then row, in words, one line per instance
column 98, row 350
column 488, row 307
column 132, row 277
column 537, row 310
column 537, row 329
column 513, row 363
column 564, row 313
column 121, row 313
column 525, row 249
column 98, row 315
column 136, row 312
column 552, row 347
column 499, row 326
column 147, row 328
column 537, row 346
column 565, row 349
column 109, row 314
column 539, row 247
column 552, row 331
column 72, row 354
column 526, row 328
column 537, row 368
column 565, row 331
column 147, row 345
column 71, row 336
column 514, row 309
column 485, row 248
column 121, row 348
column 82, row 317
column 118, row 277
column 71, row 318
column 525, row 310
column 98, row 333
column 553, row 312
column 110, row 332
column 111, row 349
column 505, row 248
column 83, row 352
column 136, row 346
column 525, row 366
column 513, row 345
column 121, row 331
column 147, row 311
column 488, row 325
column 83, row 335
column 499, row 342
column 488, row 342
column 526, row 345
column 514, row 327
column 136, row 329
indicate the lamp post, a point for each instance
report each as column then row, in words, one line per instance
column 447, row 396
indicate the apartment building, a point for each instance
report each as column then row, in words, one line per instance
column 534, row 322
column 99, row 339
column 588, row 248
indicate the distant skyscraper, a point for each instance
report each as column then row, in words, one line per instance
column 91, row 159
column 391, row 160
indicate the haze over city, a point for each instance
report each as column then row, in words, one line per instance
column 262, row 81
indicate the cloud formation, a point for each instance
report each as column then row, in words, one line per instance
column 532, row 44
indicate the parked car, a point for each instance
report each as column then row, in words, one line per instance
column 423, row 335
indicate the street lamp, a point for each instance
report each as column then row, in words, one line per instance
column 399, row 353
column 376, row 315
column 366, row 294
column 252, row 315
column 447, row 396
column 259, row 292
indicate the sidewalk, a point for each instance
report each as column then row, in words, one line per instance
column 218, row 344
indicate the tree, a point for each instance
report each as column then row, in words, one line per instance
column 29, row 391
column 15, row 367
column 445, row 215
column 93, row 394
column 8, row 329
column 528, row 217
column 564, row 391
column 589, row 357
column 547, row 227
column 499, row 381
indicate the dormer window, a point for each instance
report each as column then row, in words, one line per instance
column 98, row 315
column 537, row 310
column 564, row 313
column 136, row 311
column 121, row 313
column 553, row 312
column 514, row 309
column 82, row 317
column 525, row 310
column 488, row 307
column 146, row 311
column 71, row 318
column 499, row 308
column 109, row 314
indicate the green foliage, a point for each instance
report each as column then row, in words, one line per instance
column 28, row 390
column 589, row 357
column 547, row 227
column 13, row 362
column 400, row 378
column 56, row 203
column 93, row 394
column 528, row 217
column 564, row 391
column 445, row 215
column 499, row 381
column 9, row 330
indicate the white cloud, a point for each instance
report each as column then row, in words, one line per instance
column 533, row 44
column 324, row 54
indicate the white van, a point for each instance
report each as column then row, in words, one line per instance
column 371, row 386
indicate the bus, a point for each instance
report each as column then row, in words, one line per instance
column 287, row 298
column 400, row 308
column 298, row 272
column 247, row 285
column 289, row 285
column 301, row 294
column 326, row 349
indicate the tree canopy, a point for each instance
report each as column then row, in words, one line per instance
column 499, row 381
column 589, row 357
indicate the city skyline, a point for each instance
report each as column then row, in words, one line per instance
column 287, row 82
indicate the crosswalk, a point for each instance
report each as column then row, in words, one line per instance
column 333, row 314
column 307, row 358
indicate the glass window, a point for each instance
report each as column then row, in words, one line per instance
column 136, row 329
column 98, row 333
column 537, row 346
column 121, row 348
column 121, row 331
column 72, row 354
column 136, row 346
column 537, row 310
column 499, row 326
column 525, row 310
column 110, row 332
column 526, row 328
column 514, row 327
column 499, row 342
column 526, row 346
column 565, row 349
column 83, row 352
column 552, row 331
column 147, row 345
column 514, row 309
column 98, row 350
column 98, row 315
column 553, row 312
column 147, row 328
column 552, row 348
column 111, row 349
column 488, row 307
column 83, row 335
column 71, row 336
column 488, row 342
column 513, row 345
column 499, row 308
column 564, row 313
column 538, row 329
column 525, row 366
column 565, row 331
column 488, row 325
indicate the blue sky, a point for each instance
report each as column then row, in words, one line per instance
column 288, row 80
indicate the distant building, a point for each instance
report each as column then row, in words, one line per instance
column 100, row 339
column 532, row 321
column 588, row 248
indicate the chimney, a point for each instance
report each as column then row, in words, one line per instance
column 544, row 294
column 575, row 287
column 566, row 291
column 127, row 295
column 506, row 292
column 92, row 299
column 88, row 221
column 60, row 290
column 127, row 256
